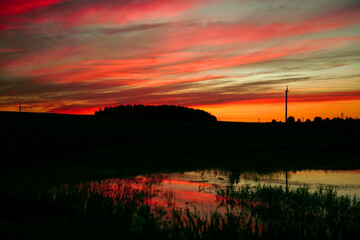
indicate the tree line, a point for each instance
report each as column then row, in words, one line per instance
column 159, row 112
column 317, row 119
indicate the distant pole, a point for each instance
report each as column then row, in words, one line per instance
column 20, row 108
column 286, row 93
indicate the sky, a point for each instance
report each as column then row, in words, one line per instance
column 231, row 58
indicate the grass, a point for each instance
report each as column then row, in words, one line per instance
column 296, row 214
column 265, row 212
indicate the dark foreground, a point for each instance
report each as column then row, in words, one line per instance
column 43, row 150
column 70, row 145
column 247, row 213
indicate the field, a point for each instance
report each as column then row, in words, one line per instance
column 44, row 150
column 69, row 145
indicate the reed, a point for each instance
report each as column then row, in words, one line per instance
column 262, row 212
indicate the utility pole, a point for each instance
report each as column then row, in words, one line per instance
column 286, row 93
column 20, row 108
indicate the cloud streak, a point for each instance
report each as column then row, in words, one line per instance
column 62, row 55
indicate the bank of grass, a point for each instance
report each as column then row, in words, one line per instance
column 296, row 214
column 264, row 212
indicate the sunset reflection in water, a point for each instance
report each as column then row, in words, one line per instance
column 197, row 189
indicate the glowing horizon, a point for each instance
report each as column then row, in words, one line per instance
column 230, row 58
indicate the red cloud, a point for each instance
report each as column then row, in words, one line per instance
column 327, row 96
column 11, row 11
column 239, row 33
column 106, row 12
column 151, row 62
column 14, row 7
column 294, row 97
column 155, row 71
column 80, row 13
column 205, row 100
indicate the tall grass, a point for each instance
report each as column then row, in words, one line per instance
column 80, row 211
column 264, row 212
column 297, row 214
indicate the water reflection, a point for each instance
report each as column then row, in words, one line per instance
column 344, row 182
column 201, row 203
column 197, row 189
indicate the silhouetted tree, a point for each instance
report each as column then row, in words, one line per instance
column 273, row 121
column 161, row 112
column 317, row 119
column 298, row 121
column 290, row 120
column 337, row 120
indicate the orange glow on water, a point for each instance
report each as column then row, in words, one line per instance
column 188, row 189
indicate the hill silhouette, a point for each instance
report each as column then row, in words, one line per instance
column 160, row 112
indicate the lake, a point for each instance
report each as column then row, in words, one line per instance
column 198, row 188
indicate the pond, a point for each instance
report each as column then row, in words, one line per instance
column 197, row 189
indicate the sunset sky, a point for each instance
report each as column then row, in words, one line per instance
column 231, row 58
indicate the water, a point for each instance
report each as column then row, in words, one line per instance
column 198, row 188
